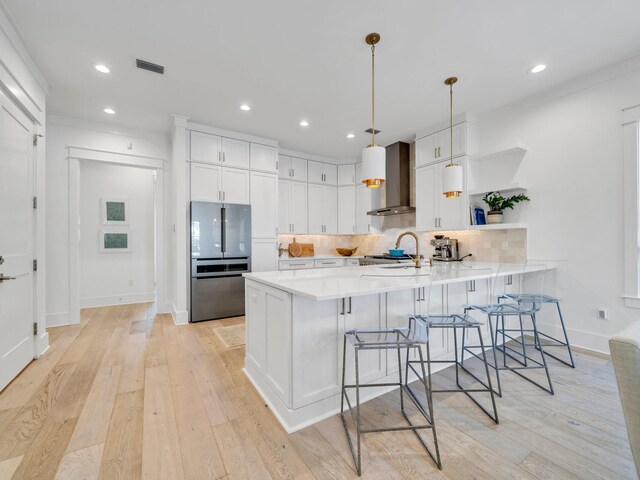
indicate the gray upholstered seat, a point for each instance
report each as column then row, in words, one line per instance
column 625, row 354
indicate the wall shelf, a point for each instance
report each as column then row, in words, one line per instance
column 512, row 187
column 498, row 226
column 514, row 152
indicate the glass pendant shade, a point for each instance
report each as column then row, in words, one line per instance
column 453, row 180
column 373, row 166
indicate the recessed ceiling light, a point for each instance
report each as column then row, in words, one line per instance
column 110, row 111
column 538, row 68
column 102, row 68
column 304, row 123
column 350, row 135
column 245, row 107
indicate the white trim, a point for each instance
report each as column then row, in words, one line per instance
column 631, row 210
column 179, row 317
column 73, row 122
column 43, row 343
column 316, row 158
column 198, row 127
column 128, row 160
column 137, row 161
column 58, row 319
column 91, row 302
column 445, row 124
column 631, row 302
column 630, row 114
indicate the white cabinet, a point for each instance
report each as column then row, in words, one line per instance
column 364, row 203
column 292, row 207
column 323, row 209
column 213, row 149
column 235, row 186
column 264, row 205
column 433, row 210
column 264, row 255
column 346, row 175
column 292, row 168
column 235, row 153
column 297, row 264
column 437, row 146
column 322, row 173
column 264, row 158
column 329, row 263
column 210, row 183
column 346, row 210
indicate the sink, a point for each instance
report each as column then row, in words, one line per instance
column 397, row 266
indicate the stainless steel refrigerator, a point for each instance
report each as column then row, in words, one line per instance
column 220, row 254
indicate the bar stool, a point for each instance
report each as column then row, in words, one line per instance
column 412, row 337
column 454, row 322
column 502, row 311
column 552, row 341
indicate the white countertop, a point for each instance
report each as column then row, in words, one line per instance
column 333, row 283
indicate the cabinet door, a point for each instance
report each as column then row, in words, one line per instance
column 316, row 209
column 284, row 167
column 298, row 207
column 346, row 210
column 284, row 203
column 264, row 255
column 346, row 174
column 427, row 150
column 364, row 203
column 298, row 169
column 427, row 208
column 235, row 186
column 264, row 206
column 315, row 172
column 358, row 176
column 459, row 142
column 330, row 210
column 454, row 212
column 205, row 182
column 264, row 158
column 205, row 148
column 330, row 174
column 235, row 153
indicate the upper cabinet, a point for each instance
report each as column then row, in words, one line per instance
column 323, row 209
column 213, row 149
column 436, row 146
column 264, row 158
column 365, row 203
column 211, row 183
column 292, row 207
column 292, row 168
column 346, row 174
column 264, row 207
column 346, row 210
column 322, row 173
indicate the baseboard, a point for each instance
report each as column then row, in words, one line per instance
column 180, row 317
column 588, row 341
column 109, row 300
column 43, row 343
column 58, row 319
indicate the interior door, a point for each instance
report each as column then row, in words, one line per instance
column 16, row 241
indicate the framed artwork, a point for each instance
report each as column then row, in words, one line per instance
column 115, row 211
column 115, row 240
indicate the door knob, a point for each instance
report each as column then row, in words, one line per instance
column 3, row 277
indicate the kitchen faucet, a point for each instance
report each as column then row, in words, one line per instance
column 417, row 259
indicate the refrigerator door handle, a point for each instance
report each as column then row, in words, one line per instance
column 224, row 229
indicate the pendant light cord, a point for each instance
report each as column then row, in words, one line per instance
column 451, row 123
column 373, row 108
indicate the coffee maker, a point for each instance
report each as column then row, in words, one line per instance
column 446, row 249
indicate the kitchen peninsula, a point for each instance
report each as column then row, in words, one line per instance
column 295, row 322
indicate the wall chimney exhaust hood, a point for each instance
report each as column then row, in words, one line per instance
column 397, row 183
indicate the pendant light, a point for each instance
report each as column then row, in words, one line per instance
column 373, row 156
column 453, row 175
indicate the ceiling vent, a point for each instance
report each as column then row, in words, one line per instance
column 152, row 67
column 369, row 131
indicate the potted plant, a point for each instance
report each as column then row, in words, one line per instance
column 498, row 204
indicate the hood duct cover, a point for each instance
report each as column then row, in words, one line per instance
column 397, row 183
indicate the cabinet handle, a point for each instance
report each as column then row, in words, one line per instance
column 220, row 157
column 293, row 172
column 349, row 312
column 435, row 152
column 224, row 157
column 224, row 196
column 435, row 222
column 439, row 152
column 342, row 312
column 509, row 280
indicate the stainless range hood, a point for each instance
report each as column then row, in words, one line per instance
column 398, row 181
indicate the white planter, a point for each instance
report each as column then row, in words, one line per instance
column 494, row 218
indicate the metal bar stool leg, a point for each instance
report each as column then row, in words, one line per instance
column 455, row 352
column 358, row 426
column 428, row 393
column 495, row 356
column 400, row 377
column 566, row 338
column 486, row 369
column 544, row 361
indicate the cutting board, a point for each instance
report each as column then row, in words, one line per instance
column 301, row 249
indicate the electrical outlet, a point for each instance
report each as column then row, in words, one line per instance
column 603, row 313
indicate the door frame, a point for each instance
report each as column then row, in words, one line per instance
column 74, row 156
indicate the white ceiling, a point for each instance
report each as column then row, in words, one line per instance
column 296, row 59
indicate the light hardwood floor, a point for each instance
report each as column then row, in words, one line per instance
column 127, row 394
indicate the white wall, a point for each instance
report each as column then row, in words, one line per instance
column 63, row 132
column 110, row 278
column 573, row 169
